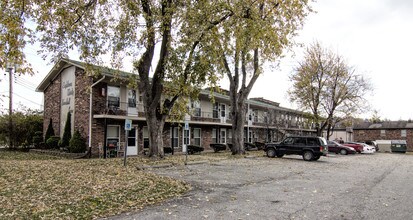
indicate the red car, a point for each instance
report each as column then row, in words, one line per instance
column 357, row 147
column 337, row 148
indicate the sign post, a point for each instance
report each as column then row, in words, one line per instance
column 128, row 127
column 186, row 128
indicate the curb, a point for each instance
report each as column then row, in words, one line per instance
column 147, row 167
column 197, row 162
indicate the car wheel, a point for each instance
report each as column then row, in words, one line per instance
column 316, row 157
column 308, row 155
column 280, row 155
column 271, row 152
column 343, row 152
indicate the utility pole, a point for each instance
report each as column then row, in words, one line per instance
column 10, row 68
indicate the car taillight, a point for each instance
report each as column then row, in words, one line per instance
column 321, row 148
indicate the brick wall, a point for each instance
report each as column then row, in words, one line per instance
column 206, row 137
column 52, row 98
column 82, row 96
column 393, row 134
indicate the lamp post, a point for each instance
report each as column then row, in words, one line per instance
column 9, row 68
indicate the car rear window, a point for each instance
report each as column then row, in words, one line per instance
column 299, row 141
column 312, row 141
column 323, row 141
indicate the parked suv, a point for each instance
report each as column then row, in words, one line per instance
column 311, row 148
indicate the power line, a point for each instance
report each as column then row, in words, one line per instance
column 27, row 99
column 25, row 81
column 26, row 86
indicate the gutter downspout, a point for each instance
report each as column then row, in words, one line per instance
column 90, row 113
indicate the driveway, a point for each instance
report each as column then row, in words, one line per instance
column 375, row 186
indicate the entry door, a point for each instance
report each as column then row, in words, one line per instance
column 186, row 139
column 132, row 143
column 223, row 113
column 223, row 136
column 132, row 110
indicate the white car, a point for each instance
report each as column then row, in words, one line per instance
column 367, row 149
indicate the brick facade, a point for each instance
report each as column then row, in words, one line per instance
column 389, row 134
column 104, row 116
column 82, row 96
column 52, row 105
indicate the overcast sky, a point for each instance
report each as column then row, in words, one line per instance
column 375, row 36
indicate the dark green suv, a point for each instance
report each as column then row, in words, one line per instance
column 311, row 148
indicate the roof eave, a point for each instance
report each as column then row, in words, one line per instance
column 54, row 72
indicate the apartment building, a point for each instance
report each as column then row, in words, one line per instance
column 100, row 105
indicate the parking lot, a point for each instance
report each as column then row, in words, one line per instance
column 377, row 186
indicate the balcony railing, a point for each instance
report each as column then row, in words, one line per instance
column 126, row 109
column 119, row 108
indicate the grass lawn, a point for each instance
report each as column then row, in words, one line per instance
column 34, row 186
column 42, row 187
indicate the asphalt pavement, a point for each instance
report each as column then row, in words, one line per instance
column 378, row 186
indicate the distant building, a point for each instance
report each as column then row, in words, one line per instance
column 388, row 130
column 99, row 113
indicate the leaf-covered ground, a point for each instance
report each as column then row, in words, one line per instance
column 41, row 187
column 34, row 186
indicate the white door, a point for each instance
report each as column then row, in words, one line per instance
column 223, row 136
column 132, row 110
column 223, row 113
column 132, row 142
column 186, row 139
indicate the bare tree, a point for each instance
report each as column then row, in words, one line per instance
column 326, row 85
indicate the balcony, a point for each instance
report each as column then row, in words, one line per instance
column 210, row 117
column 119, row 108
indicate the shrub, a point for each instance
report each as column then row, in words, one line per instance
column 67, row 133
column 37, row 139
column 77, row 143
column 49, row 131
column 52, row 142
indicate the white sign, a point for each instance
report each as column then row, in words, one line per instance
column 128, row 124
column 186, row 126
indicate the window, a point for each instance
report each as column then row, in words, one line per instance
column 215, row 110
column 113, row 134
column 186, row 137
column 382, row 132
column 214, row 136
column 223, row 112
column 132, row 98
column 403, row 133
column 197, row 136
column 288, row 141
column 229, row 135
column 175, row 137
column 145, row 136
column 312, row 141
column 249, row 136
column 196, row 107
column 266, row 117
column 113, row 96
column 254, row 137
column 255, row 116
column 132, row 137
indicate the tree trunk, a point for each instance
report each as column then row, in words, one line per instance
column 329, row 133
column 238, row 122
column 318, row 129
column 155, row 123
